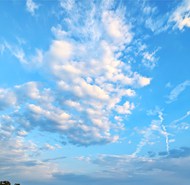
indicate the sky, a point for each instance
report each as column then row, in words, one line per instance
column 95, row 92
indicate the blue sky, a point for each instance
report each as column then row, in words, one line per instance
column 95, row 92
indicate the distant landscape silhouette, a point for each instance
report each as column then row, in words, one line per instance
column 7, row 183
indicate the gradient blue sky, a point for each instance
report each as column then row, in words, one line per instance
column 95, row 92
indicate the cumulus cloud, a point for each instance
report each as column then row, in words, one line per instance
column 90, row 81
column 89, row 78
column 61, row 49
column 125, row 108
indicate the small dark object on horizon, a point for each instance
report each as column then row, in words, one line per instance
column 7, row 183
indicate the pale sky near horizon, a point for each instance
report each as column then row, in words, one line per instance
column 95, row 92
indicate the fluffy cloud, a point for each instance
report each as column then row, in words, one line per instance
column 61, row 49
column 90, row 81
column 116, row 28
column 125, row 108
column 181, row 16
column 89, row 77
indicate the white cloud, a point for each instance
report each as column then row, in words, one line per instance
column 181, row 16
column 7, row 98
column 110, row 169
column 22, row 133
column 126, row 108
column 180, row 124
column 149, row 59
column 152, row 18
column 157, row 24
column 67, row 4
column 49, row 147
column 89, row 78
column 29, row 89
column 149, row 10
column 31, row 6
column 58, row 32
column 17, row 162
column 177, row 91
column 17, row 52
column 116, row 27
column 132, row 168
column 141, row 81
column 155, row 126
column 61, row 49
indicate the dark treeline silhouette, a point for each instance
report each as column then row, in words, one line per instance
column 7, row 183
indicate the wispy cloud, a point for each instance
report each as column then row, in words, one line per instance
column 16, row 51
column 177, row 91
column 155, row 126
column 149, row 59
column 181, row 124
column 181, row 17
column 31, row 6
column 54, row 159
column 182, row 118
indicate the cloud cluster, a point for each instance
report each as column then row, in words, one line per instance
column 16, row 161
column 123, row 169
column 91, row 82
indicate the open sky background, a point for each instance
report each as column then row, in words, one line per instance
column 95, row 92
